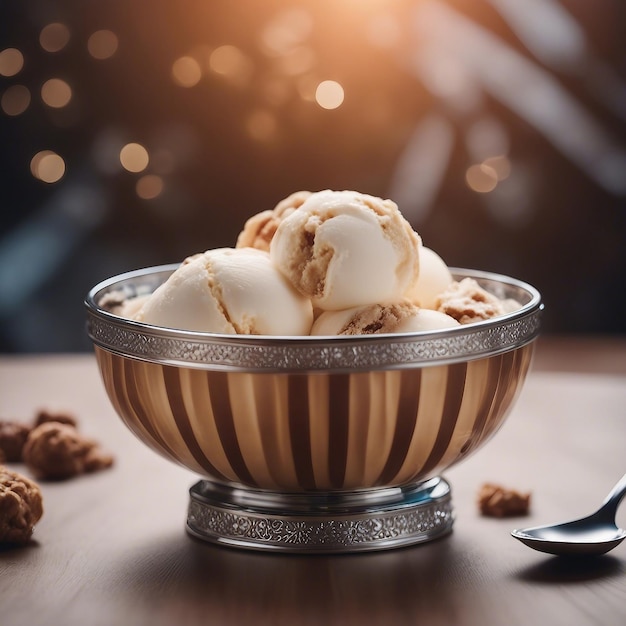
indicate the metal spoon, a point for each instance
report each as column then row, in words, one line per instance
column 596, row 534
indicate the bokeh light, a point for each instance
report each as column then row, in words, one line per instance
column 186, row 71
column 307, row 86
column 11, row 62
column 229, row 61
column 329, row 94
column 134, row 157
column 297, row 61
column 15, row 100
column 54, row 37
column 384, row 31
column 102, row 44
column 47, row 166
column 56, row 93
column 149, row 186
column 454, row 110
column 286, row 31
column 481, row 178
column 501, row 165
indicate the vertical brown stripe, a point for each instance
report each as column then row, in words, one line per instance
column 299, row 429
column 217, row 383
column 265, row 388
column 107, row 372
column 455, row 387
column 171, row 377
column 494, row 373
column 135, row 404
column 519, row 369
column 508, row 380
column 114, row 382
column 339, row 418
column 410, row 386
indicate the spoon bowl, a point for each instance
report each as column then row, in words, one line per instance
column 592, row 535
column 583, row 536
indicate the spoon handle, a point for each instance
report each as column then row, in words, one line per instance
column 612, row 501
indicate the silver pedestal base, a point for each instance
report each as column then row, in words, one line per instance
column 340, row 522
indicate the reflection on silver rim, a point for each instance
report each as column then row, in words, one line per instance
column 415, row 514
column 254, row 353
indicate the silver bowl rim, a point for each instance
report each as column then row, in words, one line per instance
column 291, row 354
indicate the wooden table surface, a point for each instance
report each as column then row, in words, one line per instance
column 112, row 549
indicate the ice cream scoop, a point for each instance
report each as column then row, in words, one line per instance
column 259, row 230
column 400, row 317
column 227, row 290
column 434, row 278
column 344, row 249
column 467, row 302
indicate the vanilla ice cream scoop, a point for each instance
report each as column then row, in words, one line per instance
column 259, row 230
column 396, row 317
column 434, row 278
column 232, row 291
column 344, row 249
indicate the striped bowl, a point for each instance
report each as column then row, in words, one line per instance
column 302, row 414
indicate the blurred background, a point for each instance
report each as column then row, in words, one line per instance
column 135, row 133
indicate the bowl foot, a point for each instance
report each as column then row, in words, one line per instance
column 330, row 522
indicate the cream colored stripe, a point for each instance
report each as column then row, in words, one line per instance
column 197, row 400
column 358, row 426
column 243, row 402
column 477, row 377
column 429, row 415
column 272, row 393
column 381, row 422
column 106, row 363
column 514, row 378
column 151, row 388
column 319, row 428
column 122, row 403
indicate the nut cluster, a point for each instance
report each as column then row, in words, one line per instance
column 53, row 449
column 21, row 506
column 497, row 501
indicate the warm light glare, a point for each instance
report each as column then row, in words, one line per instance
column 500, row 165
column 288, row 30
column 329, row 94
column 56, row 93
column 134, row 157
column 481, row 178
column 276, row 91
column 47, row 166
column 261, row 125
column 149, row 186
column 298, row 61
column 186, row 71
column 231, row 62
column 15, row 100
column 54, row 37
column 163, row 161
column 11, row 61
column 384, row 31
column 306, row 87
column 102, row 44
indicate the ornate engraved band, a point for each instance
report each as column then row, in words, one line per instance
column 272, row 354
column 406, row 521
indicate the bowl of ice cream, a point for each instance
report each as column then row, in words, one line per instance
column 317, row 421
